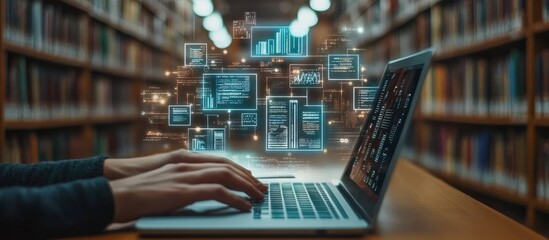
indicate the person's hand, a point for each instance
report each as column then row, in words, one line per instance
column 125, row 167
column 174, row 186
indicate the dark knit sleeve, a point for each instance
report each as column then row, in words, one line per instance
column 64, row 209
column 45, row 173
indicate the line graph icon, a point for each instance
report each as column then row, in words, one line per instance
column 306, row 76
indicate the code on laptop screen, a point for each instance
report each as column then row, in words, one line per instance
column 379, row 137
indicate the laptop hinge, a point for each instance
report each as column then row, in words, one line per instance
column 354, row 205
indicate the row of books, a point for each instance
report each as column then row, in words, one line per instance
column 110, row 48
column 542, row 83
column 131, row 15
column 38, row 91
column 542, row 166
column 45, row 26
column 465, row 22
column 546, row 10
column 381, row 15
column 115, row 141
column 113, row 97
column 31, row 147
column 410, row 38
column 492, row 157
column 477, row 87
column 153, row 62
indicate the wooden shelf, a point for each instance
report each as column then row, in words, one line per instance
column 542, row 205
column 62, row 123
column 118, row 72
column 493, row 191
column 541, row 122
column 29, row 52
column 541, row 27
column 397, row 23
column 479, row 47
column 474, row 120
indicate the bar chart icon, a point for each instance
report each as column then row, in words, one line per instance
column 277, row 42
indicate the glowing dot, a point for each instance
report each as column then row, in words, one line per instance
column 360, row 30
column 363, row 69
column 143, row 113
column 325, row 150
column 162, row 101
column 198, row 129
column 155, row 97
column 350, row 83
column 276, row 70
column 329, row 122
column 225, row 51
column 229, row 111
column 243, row 60
column 365, row 80
column 256, row 137
column 167, row 73
column 229, row 122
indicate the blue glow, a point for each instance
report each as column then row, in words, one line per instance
column 248, row 119
column 306, row 76
column 343, row 67
column 363, row 97
column 213, row 22
column 307, row 16
column 196, row 54
column 320, row 5
column 293, row 126
column 298, row 28
column 179, row 115
column 203, row 7
column 272, row 41
column 207, row 139
column 229, row 91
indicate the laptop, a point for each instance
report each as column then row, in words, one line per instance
column 293, row 208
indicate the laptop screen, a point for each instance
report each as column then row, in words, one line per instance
column 378, row 139
column 373, row 158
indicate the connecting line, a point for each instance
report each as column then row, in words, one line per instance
column 207, row 121
column 307, row 96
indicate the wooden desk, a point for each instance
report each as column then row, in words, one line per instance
column 420, row 206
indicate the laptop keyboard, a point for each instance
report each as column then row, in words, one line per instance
column 298, row 201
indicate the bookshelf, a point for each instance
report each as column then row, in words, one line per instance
column 503, row 108
column 74, row 82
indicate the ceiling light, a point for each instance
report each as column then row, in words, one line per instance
column 320, row 5
column 203, row 7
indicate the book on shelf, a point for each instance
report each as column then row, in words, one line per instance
column 464, row 22
column 38, row 91
column 546, row 10
column 18, row 148
column 60, row 145
column 114, row 141
column 491, row 157
column 112, row 97
column 152, row 62
column 46, row 26
column 542, row 166
column 110, row 48
column 542, row 84
column 477, row 87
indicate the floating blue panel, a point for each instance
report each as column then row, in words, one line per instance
column 305, row 75
column 271, row 41
column 229, row 91
column 196, row 54
column 207, row 139
column 249, row 119
column 179, row 115
column 291, row 125
column 343, row 67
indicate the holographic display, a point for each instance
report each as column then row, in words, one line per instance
column 268, row 41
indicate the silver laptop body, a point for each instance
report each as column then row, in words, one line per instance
column 315, row 208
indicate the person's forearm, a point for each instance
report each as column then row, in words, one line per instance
column 44, row 173
column 67, row 209
column 117, row 168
